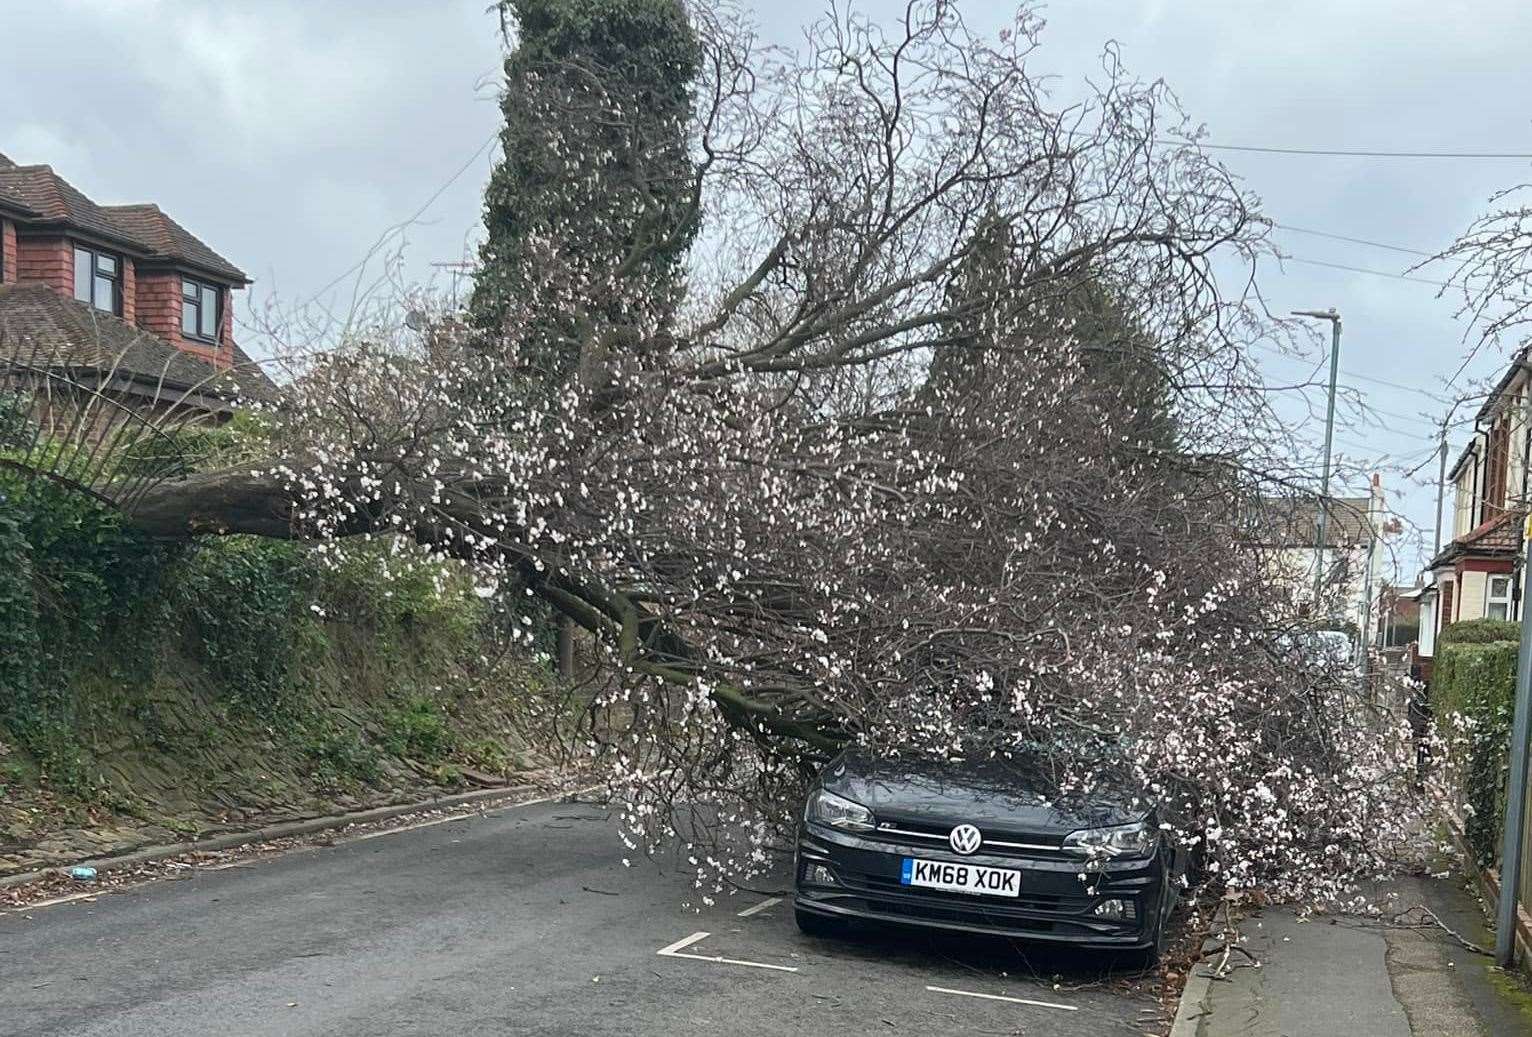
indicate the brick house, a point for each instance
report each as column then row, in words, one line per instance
column 122, row 293
column 1474, row 575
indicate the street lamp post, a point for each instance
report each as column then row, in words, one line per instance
column 1333, row 317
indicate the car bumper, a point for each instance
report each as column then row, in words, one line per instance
column 1055, row 903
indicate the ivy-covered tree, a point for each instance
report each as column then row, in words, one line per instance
column 595, row 178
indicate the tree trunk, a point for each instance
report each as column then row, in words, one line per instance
column 227, row 501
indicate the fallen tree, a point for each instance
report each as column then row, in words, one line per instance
column 946, row 447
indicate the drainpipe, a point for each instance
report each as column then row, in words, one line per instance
column 1476, row 502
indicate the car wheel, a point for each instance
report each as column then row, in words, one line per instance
column 1149, row 957
column 811, row 924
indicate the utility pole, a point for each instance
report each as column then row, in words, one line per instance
column 1324, row 487
column 1366, row 636
column 1441, row 489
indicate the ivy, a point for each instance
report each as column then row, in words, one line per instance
column 244, row 602
column 18, row 616
column 74, row 581
column 616, row 76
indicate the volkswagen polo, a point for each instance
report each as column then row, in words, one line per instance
column 980, row 848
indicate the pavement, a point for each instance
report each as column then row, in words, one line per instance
column 1399, row 976
column 519, row 921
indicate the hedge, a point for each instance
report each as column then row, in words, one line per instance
column 1479, row 632
column 1478, row 680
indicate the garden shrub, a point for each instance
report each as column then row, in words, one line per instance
column 1478, row 682
column 418, row 730
column 1479, row 632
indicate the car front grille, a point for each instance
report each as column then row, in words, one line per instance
column 996, row 844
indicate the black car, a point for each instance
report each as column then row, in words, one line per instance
column 980, row 848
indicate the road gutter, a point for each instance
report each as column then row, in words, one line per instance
column 1193, row 1006
column 286, row 830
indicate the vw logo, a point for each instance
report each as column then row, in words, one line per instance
column 965, row 839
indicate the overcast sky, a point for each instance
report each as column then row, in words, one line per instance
column 292, row 135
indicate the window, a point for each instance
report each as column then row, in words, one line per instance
column 98, row 279
column 1497, row 598
column 199, row 310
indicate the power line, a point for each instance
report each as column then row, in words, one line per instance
column 1417, row 419
column 1354, row 241
column 1438, row 397
column 353, row 268
column 1349, row 152
column 1397, row 385
column 1364, row 270
column 1397, row 433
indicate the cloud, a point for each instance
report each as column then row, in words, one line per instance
column 290, row 134
column 30, row 143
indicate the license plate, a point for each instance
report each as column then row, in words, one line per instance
column 961, row 878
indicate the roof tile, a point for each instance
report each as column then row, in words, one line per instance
column 166, row 237
column 37, row 322
column 52, row 197
column 44, row 194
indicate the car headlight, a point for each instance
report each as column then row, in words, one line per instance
column 827, row 808
column 1135, row 840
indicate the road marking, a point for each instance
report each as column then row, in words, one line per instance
column 675, row 951
column 498, row 805
column 998, row 997
column 685, row 941
column 409, row 828
column 71, row 898
column 758, row 908
column 257, row 856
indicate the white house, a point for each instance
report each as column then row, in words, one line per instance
column 1351, row 560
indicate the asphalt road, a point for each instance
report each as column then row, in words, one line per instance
column 521, row 922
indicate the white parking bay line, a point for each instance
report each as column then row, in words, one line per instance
column 758, row 908
column 685, row 941
column 999, row 997
column 676, row 950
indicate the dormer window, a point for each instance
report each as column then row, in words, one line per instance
column 98, row 279
column 199, row 310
